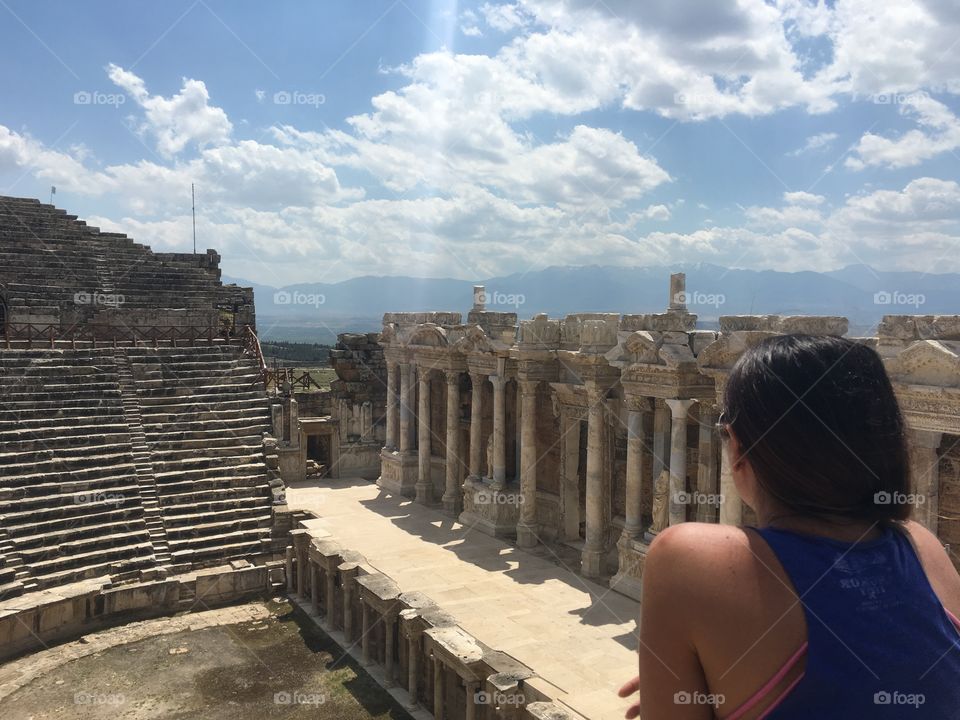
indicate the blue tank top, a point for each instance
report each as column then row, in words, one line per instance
column 880, row 643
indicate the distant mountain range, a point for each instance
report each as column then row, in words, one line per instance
column 315, row 312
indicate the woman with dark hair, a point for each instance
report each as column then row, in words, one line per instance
column 836, row 605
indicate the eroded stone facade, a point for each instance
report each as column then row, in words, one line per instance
column 597, row 430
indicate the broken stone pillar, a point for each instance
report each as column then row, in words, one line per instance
column 678, row 291
column 479, row 298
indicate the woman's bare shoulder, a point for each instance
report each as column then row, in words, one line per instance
column 705, row 554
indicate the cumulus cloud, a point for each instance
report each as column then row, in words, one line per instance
column 938, row 132
column 176, row 122
column 815, row 142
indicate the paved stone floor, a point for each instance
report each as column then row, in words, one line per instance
column 578, row 635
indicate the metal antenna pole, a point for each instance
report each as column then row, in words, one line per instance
column 193, row 203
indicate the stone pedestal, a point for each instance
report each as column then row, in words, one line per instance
column 398, row 473
column 490, row 510
column 632, row 554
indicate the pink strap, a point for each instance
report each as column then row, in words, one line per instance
column 953, row 618
column 771, row 683
column 781, row 696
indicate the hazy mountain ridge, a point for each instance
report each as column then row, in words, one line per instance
column 316, row 311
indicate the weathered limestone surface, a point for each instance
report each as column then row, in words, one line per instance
column 556, row 645
column 113, row 283
column 547, row 406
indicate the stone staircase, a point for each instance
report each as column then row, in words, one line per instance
column 204, row 421
column 142, row 460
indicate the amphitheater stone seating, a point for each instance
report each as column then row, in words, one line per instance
column 56, row 270
column 69, row 500
column 204, row 415
column 133, row 423
column 122, row 460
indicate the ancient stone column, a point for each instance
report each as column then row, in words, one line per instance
column 406, row 409
column 413, row 669
column 452, row 504
column 925, row 475
column 731, row 507
column 392, row 407
column 315, row 586
column 302, row 573
column 707, row 470
column 471, row 687
column 365, row 638
column 527, row 529
column 288, row 566
column 348, row 609
column 678, row 459
column 389, row 621
column 661, row 438
column 424, row 482
column 592, row 557
column 330, row 605
column 499, row 431
column 635, row 461
column 476, row 425
column 437, row 688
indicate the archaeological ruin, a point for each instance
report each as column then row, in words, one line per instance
column 153, row 464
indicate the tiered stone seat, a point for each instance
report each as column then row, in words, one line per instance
column 204, row 416
column 35, row 237
column 70, row 504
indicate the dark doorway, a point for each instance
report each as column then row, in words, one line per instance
column 318, row 450
column 582, row 478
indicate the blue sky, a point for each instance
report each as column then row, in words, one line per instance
column 470, row 139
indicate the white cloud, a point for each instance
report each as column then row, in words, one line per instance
column 815, row 142
column 504, row 18
column 184, row 119
column 803, row 198
column 940, row 133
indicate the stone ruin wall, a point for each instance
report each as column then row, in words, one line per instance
column 658, row 369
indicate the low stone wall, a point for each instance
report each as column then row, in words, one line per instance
column 407, row 640
column 32, row 622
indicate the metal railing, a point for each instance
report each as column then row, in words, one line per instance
column 35, row 334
